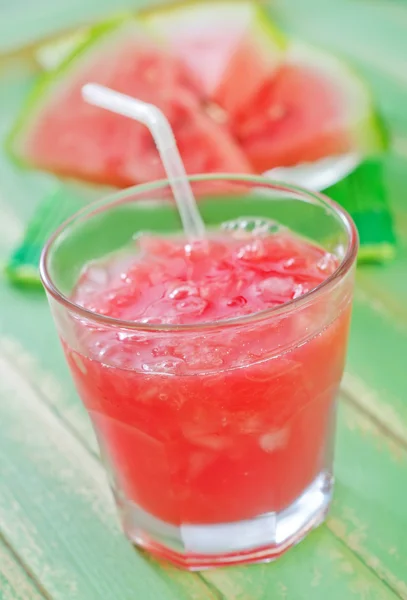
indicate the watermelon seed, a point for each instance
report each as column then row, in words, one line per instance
column 277, row 112
column 216, row 113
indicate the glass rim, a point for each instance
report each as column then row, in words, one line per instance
column 115, row 198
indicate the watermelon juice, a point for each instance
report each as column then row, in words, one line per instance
column 210, row 375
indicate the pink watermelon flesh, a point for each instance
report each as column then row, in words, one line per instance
column 244, row 76
column 70, row 138
column 296, row 117
column 232, row 47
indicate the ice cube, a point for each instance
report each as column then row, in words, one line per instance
column 327, row 264
column 157, row 273
column 297, row 265
column 204, row 428
column 157, row 320
column 252, row 252
column 122, row 297
column 136, row 339
column 198, row 461
column 299, row 290
column 214, row 442
column 274, row 440
column 161, row 350
column 125, row 278
column 79, row 363
column 97, row 275
column 156, row 246
column 180, row 292
column 199, row 356
column 274, row 288
column 197, row 249
column 191, row 305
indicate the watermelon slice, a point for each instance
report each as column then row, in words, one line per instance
column 314, row 107
column 60, row 133
column 231, row 46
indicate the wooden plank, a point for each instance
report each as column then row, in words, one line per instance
column 376, row 365
column 56, row 510
column 15, row 583
column 368, row 512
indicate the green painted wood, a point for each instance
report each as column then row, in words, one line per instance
column 376, row 363
column 15, row 583
column 54, row 504
column 369, row 510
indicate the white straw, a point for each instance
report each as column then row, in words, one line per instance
column 157, row 123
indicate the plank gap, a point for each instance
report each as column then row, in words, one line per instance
column 218, row 594
column 360, row 558
column 386, row 430
column 30, row 575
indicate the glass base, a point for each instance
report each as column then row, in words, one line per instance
column 262, row 539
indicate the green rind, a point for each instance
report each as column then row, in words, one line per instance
column 379, row 136
column 270, row 29
column 50, row 55
column 47, row 81
column 374, row 122
column 382, row 130
column 144, row 14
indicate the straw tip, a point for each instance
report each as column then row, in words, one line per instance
column 89, row 90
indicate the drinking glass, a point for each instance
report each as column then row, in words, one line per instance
column 230, row 461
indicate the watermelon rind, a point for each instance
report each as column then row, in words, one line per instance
column 368, row 130
column 51, row 55
column 365, row 124
column 47, row 83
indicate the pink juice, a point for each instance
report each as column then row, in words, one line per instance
column 214, row 424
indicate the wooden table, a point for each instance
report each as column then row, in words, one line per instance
column 59, row 537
